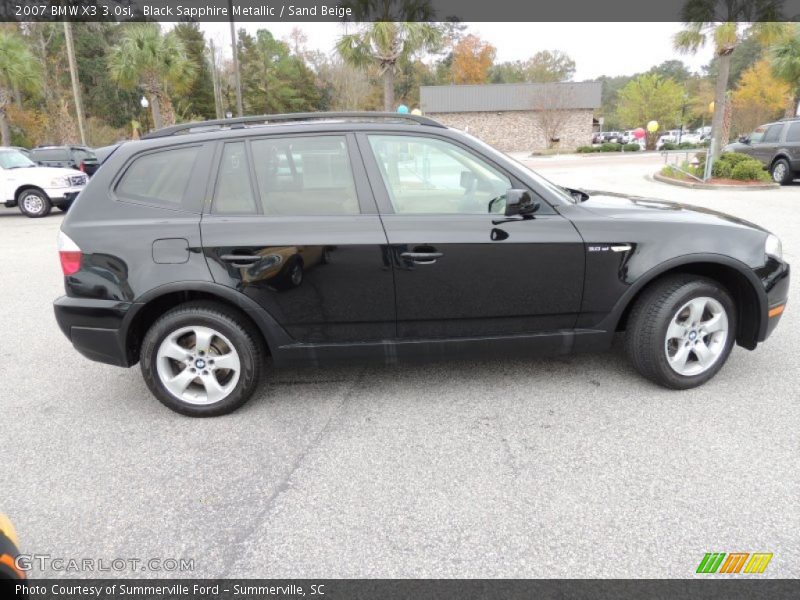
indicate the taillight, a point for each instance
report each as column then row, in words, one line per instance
column 69, row 253
column 81, row 167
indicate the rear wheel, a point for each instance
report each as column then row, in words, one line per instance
column 34, row 203
column 200, row 360
column 681, row 331
column 781, row 172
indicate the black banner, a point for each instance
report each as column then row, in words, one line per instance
column 740, row 588
column 400, row 10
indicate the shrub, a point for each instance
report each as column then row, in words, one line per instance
column 668, row 146
column 749, row 170
column 733, row 158
column 686, row 146
column 609, row 147
column 669, row 171
column 586, row 149
column 722, row 169
column 631, row 147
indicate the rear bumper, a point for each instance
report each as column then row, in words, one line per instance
column 775, row 279
column 95, row 328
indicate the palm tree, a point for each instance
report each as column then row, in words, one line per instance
column 156, row 63
column 19, row 70
column 384, row 44
column 785, row 62
column 719, row 21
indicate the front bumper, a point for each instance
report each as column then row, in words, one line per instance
column 96, row 328
column 774, row 277
column 60, row 196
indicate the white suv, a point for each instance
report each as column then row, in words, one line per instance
column 36, row 189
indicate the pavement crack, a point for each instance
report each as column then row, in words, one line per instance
column 285, row 482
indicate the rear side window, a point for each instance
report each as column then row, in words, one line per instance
column 305, row 176
column 234, row 193
column 159, row 178
column 773, row 133
column 793, row 135
column 56, row 154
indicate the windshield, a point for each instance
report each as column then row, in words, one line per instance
column 14, row 159
column 557, row 190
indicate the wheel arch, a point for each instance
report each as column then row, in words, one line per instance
column 737, row 278
column 150, row 306
column 28, row 186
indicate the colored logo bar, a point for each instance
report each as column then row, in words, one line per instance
column 732, row 563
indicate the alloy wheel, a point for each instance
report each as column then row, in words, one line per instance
column 198, row 365
column 696, row 336
column 32, row 204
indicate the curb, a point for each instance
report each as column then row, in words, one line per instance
column 713, row 186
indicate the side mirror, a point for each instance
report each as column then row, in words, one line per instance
column 519, row 202
column 744, row 139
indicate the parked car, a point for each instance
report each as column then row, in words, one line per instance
column 24, row 151
column 68, row 157
column 597, row 137
column 612, row 137
column 426, row 242
column 668, row 137
column 776, row 145
column 35, row 190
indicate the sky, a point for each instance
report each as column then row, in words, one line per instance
column 597, row 48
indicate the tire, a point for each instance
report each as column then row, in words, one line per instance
column 227, row 334
column 34, row 203
column 661, row 331
column 781, row 172
column 64, row 207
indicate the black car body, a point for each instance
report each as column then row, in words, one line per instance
column 69, row 157
column 776, row 145
column 380, row 237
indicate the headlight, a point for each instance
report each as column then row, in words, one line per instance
column 772, row 247
column 59, row 182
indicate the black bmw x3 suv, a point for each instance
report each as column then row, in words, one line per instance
column 316, row 238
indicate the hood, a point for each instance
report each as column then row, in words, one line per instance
column 40, row 174
column 737, row 147
column 618, row 206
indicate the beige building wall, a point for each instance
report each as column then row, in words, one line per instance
column 520, row 131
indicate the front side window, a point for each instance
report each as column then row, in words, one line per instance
column 432, row 176
column 159, row 178
column 309, row 175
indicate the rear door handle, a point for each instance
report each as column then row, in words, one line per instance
column 422, row 257
column 245, row 259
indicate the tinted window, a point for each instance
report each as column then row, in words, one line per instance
column 305, row 176
column 80, row 154
column 793, row 135
column 54, row 154
column 159, row 178
column 426, row 175
column 233, row 193
column 773, row 133
column 758, row 134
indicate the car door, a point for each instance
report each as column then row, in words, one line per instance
column 292, row 224
column 765, row 149
column 459, row 270
column 792, row 144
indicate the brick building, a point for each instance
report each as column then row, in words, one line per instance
column 517, row 117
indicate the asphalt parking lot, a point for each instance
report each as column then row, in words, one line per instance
column 568, row 467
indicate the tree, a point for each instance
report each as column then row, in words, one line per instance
column 650, row 98
column 384, row 44
column 273, row 80
column 552, row 110
column 672, row 69
column 472, row 59
column 154, row 62
column 549, row 66
column 785, row 63
column 199, row 96
column 760, row 97
column 545, row 66
column 19, row 70
column 719, row 20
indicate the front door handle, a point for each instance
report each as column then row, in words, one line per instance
column 422, row 257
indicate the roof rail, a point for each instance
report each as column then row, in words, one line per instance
column 241, row 122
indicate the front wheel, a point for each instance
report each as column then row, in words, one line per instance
column 200, row 360
column 34, row 204
column 681, row 331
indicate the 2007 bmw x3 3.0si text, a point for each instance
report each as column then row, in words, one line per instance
column 329, row 237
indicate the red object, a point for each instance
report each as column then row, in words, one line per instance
column 638, row 133
column 70, row 261
column 82, row 168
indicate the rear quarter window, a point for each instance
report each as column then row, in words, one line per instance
column 160, row 178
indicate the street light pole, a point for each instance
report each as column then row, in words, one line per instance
column 236, row 75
